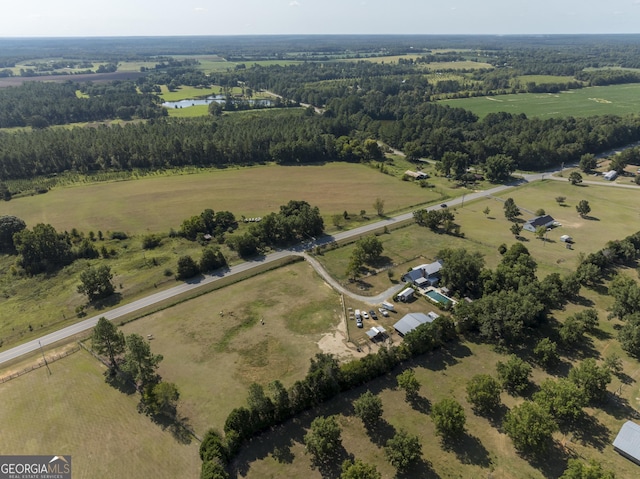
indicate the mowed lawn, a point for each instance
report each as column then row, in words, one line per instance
column 73, row 411
column 156, row 204
column 591, row 101
column 213, row 357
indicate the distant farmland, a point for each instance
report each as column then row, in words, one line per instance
column 601, row 100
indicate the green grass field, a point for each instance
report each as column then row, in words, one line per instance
column 73, row 411
column 542, row 79
column 157, row 203
column 603, row 100
column 461, row 65
column 213, row 358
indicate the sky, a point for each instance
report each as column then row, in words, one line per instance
column 69, row 18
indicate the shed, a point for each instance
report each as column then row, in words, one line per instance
column 627, row 442
column 411, row 321
column 610, row 175
column 406, row 294
column 376, row 332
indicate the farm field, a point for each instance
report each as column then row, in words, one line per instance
column 601, row 100
column 73, row 411
column 158, row 203
column 543, row 79
column 461, row 65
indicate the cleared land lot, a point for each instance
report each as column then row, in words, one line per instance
column 157, row 203
column 213, row 358
column 601, row 100
column 73, row 411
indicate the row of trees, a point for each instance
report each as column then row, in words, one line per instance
column 325, row 378
column 130, row 360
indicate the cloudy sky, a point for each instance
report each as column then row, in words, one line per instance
column 239, row 17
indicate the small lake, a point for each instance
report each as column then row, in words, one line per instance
column 210, row 99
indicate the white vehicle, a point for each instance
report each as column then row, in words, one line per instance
column 358, row 315
column 384, row 312
column 359, row 322
column 388, row 306
column 365, row 315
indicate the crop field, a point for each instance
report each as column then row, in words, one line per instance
column 591, row 101
column 157, row 203
column 73, row 411
column 187, row 92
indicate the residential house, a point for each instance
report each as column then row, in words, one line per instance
column 546, row 220
column 424, row 275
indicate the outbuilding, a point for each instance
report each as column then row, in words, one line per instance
column 610, row 175
column 627, row 442
column 406, row 294
column 411, row 321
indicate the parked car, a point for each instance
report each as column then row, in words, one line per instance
column 359, row 322
column 365, row 315
column 384, row 312
column 443, row 205
column 373, row 314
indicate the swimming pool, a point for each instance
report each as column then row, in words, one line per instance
column 438, row 298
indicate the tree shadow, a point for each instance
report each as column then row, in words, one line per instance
column 283, row 453
column 619, row 408
column 591, row 218
column 552, row 463
column 120, row 382
column 601, row 335
column 108, row 302
column 468, row 450
column 591, row 432
column 332, row 467
column 179, row 427
column 421, row 468
column 420, row 404
column 380, row 432
column 496, row 417
column 582, row 301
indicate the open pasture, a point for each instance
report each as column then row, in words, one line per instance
column 460, row 65
column 73, row 411
column 215, row 346
column 591, row 101
column 157, row 203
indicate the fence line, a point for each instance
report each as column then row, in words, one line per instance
column 40, row 364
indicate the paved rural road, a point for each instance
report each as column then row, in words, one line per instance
column 120, row 311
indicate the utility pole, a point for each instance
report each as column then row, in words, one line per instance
column 43, row 357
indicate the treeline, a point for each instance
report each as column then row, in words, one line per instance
column 325, row 379
column 283, row 137
column 41, row 104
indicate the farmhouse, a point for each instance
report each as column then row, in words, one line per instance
column 406, row 294
column 418, row 175
column 411, row 321
column 610, row 175
column 545, row 220
column 627, row 442
column 424, row 275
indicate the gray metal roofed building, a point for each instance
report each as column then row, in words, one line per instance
column 627, row 442
column 545, row 220
column 411, row 321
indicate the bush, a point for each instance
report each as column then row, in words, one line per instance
column 119, row 235
column 151, row 241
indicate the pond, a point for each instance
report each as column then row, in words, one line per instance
column 210, row 99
